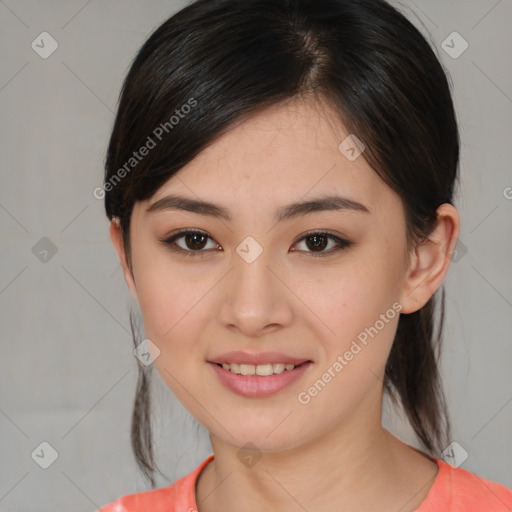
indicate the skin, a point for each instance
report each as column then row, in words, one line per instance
column 334, row 449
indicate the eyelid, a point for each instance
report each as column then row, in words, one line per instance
column 169, row 241
column 342, row 243
column 321, row 232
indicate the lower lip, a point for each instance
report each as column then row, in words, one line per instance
column 255, row 385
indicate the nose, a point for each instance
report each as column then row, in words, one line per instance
column 256, row 300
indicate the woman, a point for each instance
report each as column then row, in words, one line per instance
column 279, row 182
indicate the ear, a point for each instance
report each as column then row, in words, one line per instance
column 431, row 260
column 116, row 235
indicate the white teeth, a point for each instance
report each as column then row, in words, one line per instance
column 262, row 370
column 247, row 369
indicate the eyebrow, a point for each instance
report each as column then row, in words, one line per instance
column 325, row 203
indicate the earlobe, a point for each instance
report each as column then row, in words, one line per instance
column 116, row 236
column 431, row 260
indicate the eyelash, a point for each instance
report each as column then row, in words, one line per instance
column 341, row 243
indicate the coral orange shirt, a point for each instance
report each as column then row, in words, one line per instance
column 454, row 490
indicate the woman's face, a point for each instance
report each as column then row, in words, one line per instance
column 257, row 283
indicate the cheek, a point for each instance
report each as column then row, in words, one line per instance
column 159, row 301
column 349, row 298
column 361, row 324
column 176, row 306
column 169, row 311
column 166, row 293
column 356, row 317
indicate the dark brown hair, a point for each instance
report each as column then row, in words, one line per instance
column 232, row 58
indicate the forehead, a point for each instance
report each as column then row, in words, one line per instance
column 282, row 154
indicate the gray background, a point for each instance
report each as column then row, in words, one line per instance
column 67, row 371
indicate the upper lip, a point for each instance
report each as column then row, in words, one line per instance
column 241, row 357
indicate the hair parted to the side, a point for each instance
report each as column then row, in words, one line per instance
column 236, row 57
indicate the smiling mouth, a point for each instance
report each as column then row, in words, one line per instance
column 261, row 370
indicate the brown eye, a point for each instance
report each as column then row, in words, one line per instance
column 194, row 242
column 317, row 241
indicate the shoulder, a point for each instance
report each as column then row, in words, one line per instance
column 457, row 490
column 157, row 500
column 179, row 496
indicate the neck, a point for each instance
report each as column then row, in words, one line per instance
column 358, row 464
